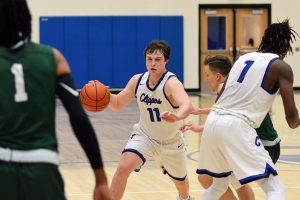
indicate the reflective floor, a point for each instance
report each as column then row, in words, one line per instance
column 113, row 130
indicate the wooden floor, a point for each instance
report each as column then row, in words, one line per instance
column 113, row 130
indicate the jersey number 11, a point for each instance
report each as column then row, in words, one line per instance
column 151, row 113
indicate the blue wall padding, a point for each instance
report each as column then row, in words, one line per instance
column 110, row 48
column 124, row 50
column 172, row 31
column 148, row 28
column 52, row 31
column 101, row 50
column 77, row 48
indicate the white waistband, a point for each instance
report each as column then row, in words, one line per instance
column 221, row 111
column 268, row 143
column 179, row 134
column 29, row 156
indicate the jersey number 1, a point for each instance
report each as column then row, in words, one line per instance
column 248, row 63
column 17, row 71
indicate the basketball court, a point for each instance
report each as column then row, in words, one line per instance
column 113, row 130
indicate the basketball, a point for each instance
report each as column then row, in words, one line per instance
column 94, row 96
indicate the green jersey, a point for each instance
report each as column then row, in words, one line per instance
column 266, row 130
column 27, row 97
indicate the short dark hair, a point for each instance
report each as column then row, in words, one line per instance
column 278, row 38
column 218, row 64
column 15, row 22
column 158, row 45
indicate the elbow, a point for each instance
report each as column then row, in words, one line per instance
column 293, row 122
column 188, row 109
column 191, row 108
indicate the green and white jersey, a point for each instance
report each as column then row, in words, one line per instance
column 27, row 97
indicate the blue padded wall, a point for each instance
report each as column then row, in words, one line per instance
column 124, row 46
column 148, row 28
column 101, row 50
column 76, row 48
column 52, row 31
column 172, row 32
column 110, row 48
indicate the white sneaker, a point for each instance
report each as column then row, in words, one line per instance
column 179, row 198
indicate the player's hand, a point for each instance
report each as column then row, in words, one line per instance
column 191, row 126
column 91, row 81
column 102, row 192
column 169, row 116
column 186, row 127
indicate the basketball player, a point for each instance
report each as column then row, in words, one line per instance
column 229, row 142
column 161, row 99
column 31, row 75
column 216, row 71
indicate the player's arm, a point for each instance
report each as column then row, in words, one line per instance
column 122, row 99
column 206, row 111
column 201, row 111
column 80, row 124
column 178, row 96
column 285, row 80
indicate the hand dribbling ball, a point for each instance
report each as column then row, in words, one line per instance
column 94, row 96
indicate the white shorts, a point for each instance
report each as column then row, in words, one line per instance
column 169, row 154
column 229, row 144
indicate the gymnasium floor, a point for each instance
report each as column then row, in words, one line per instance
column 113, row 130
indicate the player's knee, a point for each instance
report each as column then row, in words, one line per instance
column 245, row 192
column 205, row 180
column 181, row 183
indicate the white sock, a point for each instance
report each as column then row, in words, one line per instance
column 216, row 190
column 273, row 188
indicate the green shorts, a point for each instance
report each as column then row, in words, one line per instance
column 30, row 181
column 274, row 152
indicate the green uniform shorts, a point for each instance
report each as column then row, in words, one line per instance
column 274, row 152
column 30, row 181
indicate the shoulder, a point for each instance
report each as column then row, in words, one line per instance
column 281, row 69
column 136, row 77
column 172, row 84
column 172, row 79
column 280, row 74
column 62, row 66
column 133, row 81
column 40, row 48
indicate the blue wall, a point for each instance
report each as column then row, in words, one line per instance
column 110, row 49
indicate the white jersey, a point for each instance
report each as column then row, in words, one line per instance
column 244, row 94
column 152, row 102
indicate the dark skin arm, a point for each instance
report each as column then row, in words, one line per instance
column 281, row 76
column 101, row 189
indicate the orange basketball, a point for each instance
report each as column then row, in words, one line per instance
column 94, row 96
